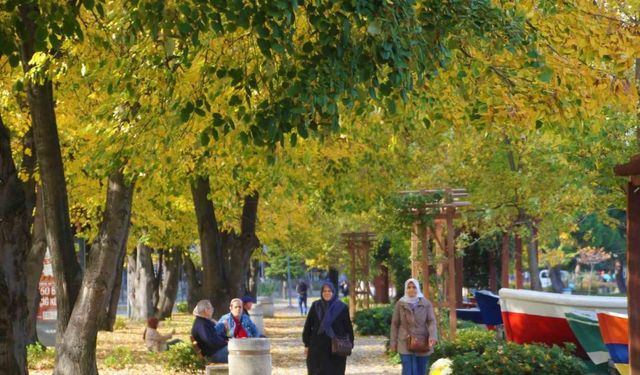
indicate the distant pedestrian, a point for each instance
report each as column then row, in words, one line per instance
column 328, row 323
column 302, row 289
column 414, row 331
column 236, row 324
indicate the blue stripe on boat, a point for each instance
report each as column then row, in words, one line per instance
column 619, row 352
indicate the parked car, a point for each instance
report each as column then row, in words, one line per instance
column 545, row 279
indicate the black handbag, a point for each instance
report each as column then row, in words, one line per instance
column 341, row 346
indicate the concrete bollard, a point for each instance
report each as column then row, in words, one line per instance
column 217, row 369
column 267, row 305
column 251, row 356
column 257, row 316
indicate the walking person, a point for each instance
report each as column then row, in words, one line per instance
column 328, row 334
column 212, row 344
column 414, row 331
column 302, row 289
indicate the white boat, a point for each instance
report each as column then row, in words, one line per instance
column 539, row 317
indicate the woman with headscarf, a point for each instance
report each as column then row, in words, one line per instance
column 328, row 319
column 414, row 331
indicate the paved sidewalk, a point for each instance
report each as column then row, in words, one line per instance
column 287, row 350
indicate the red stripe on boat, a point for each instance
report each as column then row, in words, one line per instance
column 529, row 329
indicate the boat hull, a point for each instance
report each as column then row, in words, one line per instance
column 539, row 317
column 615, row 334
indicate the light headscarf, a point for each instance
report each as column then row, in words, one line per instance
column 415, row 299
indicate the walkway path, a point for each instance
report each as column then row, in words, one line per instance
column 287, row 350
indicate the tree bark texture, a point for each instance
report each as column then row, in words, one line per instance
column 534, row 270
column 505, row 260
column 169, row 285
column 108, row 319
column 225, row 254
column 141, row 280
column 14, row 242
column 493, row 271
column 556, row 279
column 76, row 353
column 35, row 257
column 518, row 261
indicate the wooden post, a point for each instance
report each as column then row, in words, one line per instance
column 519, row 280
column 352, row 278
column 366, row 245
column 415, row 265
column 505, row 260
column 451, row 260
column 459, row 280
column 633, row 272
column 425, row 262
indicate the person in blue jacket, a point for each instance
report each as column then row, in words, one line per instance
column 212, row 344
column 236, row 324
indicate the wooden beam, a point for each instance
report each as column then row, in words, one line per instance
column 633, row 272
column 352, row 280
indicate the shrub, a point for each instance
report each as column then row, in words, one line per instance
column 374, row 321
column 182, row 307
column 475, row 340
column 120, row 323
column 119, row 358
column 182, row 358
column 39, row 357
column 515, row 359
column 345, row 300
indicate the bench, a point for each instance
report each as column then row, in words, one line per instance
column 210, row 368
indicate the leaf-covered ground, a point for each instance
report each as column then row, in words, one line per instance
column 123, row 352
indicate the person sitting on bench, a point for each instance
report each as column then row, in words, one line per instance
column 212, row 344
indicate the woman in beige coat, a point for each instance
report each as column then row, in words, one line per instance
column 413, row 316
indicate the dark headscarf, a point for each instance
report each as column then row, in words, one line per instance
column 328, row 311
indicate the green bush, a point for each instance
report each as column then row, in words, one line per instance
column 182, row 307
column 478, row 351
column 39, row 357
column 121, row 357
column 345, row 300
column 182, row 358
column 475, row 340
column 515, row 359
column 120, row 323
column 267, row 288
column 374, row 321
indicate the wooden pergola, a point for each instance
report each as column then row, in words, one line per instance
column 631, row 169
column 445, row 213
column 359, row 246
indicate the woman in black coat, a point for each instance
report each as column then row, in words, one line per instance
column 327, row 318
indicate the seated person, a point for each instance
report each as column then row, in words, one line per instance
column 212, row 344
column 236, row 324
column 154, row 341
column 247, row 303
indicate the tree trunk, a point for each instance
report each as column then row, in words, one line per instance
column 76, row 354
column 381, row 283
column 194, row 290
column 169, row 286
column 254, row 278
column 534, row 270
column 66, row 269
column 14, row 242
column 493, row 272
column 334, row 275
column 518, row 261
column 141, row 280
column 505, row 260
column 556, row 279
column 225, row 255
column 157, row 281
column 34, row 269
column 108, row 318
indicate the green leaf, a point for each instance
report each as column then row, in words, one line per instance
column 546, row 75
